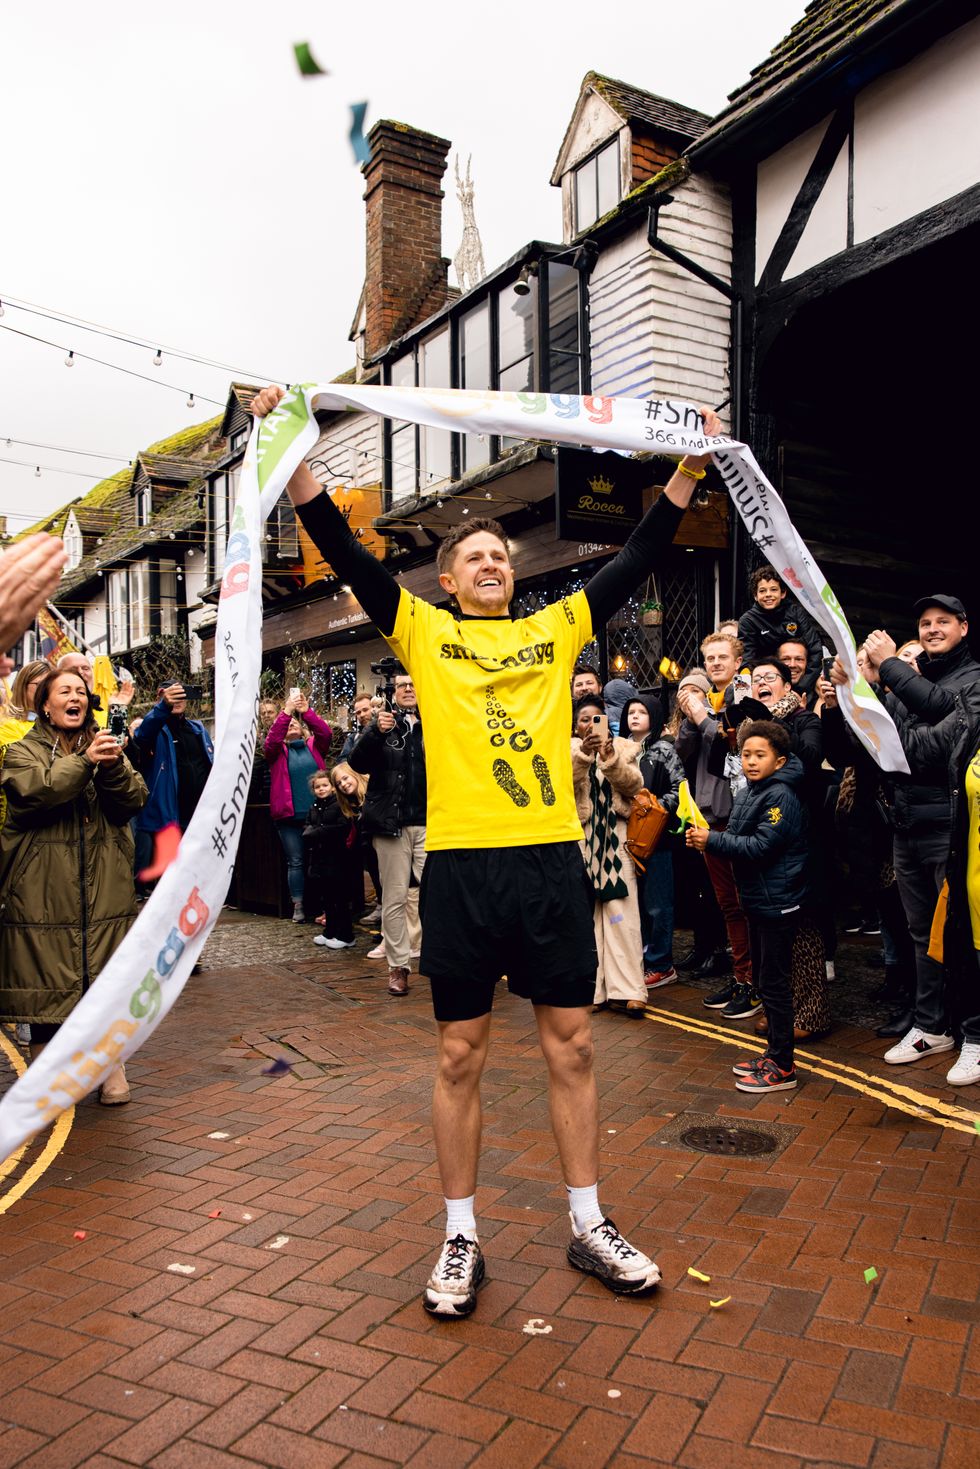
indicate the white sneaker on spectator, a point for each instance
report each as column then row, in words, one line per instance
column 337, row 943
column 378, row 952
column 966, row 1070
column 916, row 1044
column 373, row 917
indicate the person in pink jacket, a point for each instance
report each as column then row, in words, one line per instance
column 293, row 755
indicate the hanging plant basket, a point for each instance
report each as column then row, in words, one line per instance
column 651, row 610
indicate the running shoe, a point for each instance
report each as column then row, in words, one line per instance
column 378, row 952
column 743, row 1004
column 657, row 978
column 721, row 997
column 601, row 1251
column 747, row 1065
column 459, row 1273
column 767, row 1078
column 916, row 1044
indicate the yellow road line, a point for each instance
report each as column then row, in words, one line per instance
column 901, row 1098
column 53, row 1146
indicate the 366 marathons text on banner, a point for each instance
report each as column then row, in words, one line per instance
column 139, row 985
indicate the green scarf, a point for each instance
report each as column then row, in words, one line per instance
column 602, row 850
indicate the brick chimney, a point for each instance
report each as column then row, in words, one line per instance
column 406, row 277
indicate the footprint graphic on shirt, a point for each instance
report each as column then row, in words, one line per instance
column 540, row 768
column 504, row 775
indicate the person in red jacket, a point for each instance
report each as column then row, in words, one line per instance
column 294, row 756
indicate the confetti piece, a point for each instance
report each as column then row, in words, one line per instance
column 870, row 1274
column 976, row 1123
column 696, row 1274
column 165, row 847
column 616, row 918
column 278, row 1243
column 215, row 1214
column 611, row 1131
column 182, row 1269
column 341, row 1407
column 535, row 1327
column 247, row 1218
column 79, row 1234
column 723, row 1302
column 220, row 1135
column 362, row 150
column 308, row 66
column 614, row 1392
column 279, row 1067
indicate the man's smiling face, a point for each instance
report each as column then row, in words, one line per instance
column 480, row 576
column 940, row 631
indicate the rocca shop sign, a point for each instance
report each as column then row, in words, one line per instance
column 598, row 496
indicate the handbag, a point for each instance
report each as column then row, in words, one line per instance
column 646, row 825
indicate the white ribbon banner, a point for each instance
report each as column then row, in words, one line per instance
column 144, row 977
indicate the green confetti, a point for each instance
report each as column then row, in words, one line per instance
column 976, row 1123
column 306, row 61
column 870, row 1274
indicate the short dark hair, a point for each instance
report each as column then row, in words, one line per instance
column 775, row 735
column 797, row 643
column 587, row 668
column 447, row 547
column 587, row 701
column 775, row 663
column 764, row 573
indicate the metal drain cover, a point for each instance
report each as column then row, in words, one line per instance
column 731, row 1142
column 726, row 1136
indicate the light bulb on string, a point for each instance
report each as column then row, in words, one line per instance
column 488, row 495
column 37, row 471
column 70, row 360
column 190, row 401
column 158, row 359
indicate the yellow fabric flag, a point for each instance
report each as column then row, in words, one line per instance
column 937, row 930
column 105, row 686
column 687, row 810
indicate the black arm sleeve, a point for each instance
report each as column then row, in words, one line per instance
column 373, row 586
column 642, row 554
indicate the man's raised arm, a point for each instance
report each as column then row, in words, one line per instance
column 645, row 549
column 373, row 586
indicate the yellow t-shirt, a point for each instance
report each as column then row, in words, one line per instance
column 972, row 784
column 496, row 709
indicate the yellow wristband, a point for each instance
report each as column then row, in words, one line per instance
column 691, row 473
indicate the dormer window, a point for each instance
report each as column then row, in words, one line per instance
column 598, row 185
column 144, row 503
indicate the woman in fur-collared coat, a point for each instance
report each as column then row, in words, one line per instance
column 606, row 777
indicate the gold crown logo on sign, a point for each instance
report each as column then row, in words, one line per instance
column 601, row 486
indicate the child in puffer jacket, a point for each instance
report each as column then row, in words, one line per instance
column 766, row 842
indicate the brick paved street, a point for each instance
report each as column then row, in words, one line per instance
column 292, row 1333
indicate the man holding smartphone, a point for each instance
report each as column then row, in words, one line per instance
column 179, row 754
column 504, row 889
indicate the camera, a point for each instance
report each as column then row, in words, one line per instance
column 386, row 668
column 118, row 724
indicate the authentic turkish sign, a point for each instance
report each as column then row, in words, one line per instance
column 598, row 496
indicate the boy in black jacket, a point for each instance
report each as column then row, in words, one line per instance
column 766, row 841
column 774, row 618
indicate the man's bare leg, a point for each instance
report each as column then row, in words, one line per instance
column 596, row 1247
column 456, row 1123
column 456, row 1114
column 566, row 1041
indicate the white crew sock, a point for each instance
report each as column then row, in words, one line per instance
column 460, row 1218
column 584, row 1206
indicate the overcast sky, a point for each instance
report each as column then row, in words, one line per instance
column 169, row 174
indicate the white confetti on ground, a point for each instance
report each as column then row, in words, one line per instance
column 535, row 1327
column 278, row 1242
column 221, row 1136
column 182, row 1269
column 614, row 1392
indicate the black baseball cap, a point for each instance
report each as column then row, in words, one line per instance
column 949, row 604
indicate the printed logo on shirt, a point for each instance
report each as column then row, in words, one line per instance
column 775, row 815
column 792, row 627
column 537, row 653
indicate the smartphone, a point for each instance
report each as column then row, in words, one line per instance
column 827, row 664
column 600, row 723
column 192, row 692
column 741, row 687
column 295, row 694
column 118, row 724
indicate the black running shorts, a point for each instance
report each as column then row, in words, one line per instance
column 521, row 911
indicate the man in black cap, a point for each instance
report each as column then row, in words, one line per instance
column 922, row 803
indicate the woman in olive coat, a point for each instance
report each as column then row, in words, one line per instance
column 66, row 862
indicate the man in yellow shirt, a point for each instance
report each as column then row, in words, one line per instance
column 504, row 889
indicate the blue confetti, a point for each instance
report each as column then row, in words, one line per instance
column 279, row 1067
column 362, row 150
